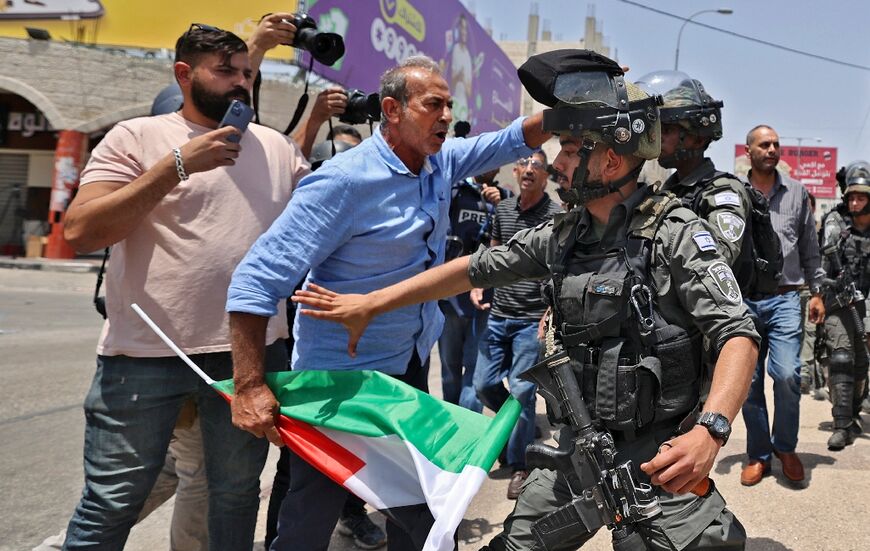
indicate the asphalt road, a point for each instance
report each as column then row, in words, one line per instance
column 48, row 330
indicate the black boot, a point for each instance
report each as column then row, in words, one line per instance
column 840, row 439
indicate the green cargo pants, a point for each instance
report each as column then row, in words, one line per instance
column 686, row 522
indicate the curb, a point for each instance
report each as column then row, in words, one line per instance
column 49, row 265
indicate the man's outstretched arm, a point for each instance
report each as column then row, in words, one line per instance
column 254, row 407
column 355, row 312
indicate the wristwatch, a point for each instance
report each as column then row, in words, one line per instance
column 717, row 424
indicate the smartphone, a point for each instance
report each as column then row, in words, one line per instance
column 238, row 115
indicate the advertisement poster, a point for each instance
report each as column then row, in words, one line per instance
column 814, row 167
column 378, row 34
column 151, row 24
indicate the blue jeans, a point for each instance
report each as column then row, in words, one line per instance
column 130, row 412
column 516, row 339
column 779, row 322
column 457, row 348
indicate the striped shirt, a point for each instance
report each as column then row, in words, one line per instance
column 793, row 221
column 521, row 300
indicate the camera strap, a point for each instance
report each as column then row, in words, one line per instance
column 303, row 102
column 102, row 310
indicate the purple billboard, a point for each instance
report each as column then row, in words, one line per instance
column 378, row 34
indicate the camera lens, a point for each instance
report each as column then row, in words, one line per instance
column 326, row 48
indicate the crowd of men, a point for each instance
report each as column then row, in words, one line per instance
column 671, row 301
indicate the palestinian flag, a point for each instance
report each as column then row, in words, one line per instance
column 392, row 445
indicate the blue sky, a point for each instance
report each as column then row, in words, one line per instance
column 796, row 95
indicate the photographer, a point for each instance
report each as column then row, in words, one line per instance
column 180, row 202
column 472, row 208
column 275, row 30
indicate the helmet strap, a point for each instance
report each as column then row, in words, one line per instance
column 582, row 190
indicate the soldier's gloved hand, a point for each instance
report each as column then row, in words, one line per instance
column 255, row 410
column 354, row 312
column 684, row 461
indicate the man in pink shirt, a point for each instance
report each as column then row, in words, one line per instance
column 181, row 202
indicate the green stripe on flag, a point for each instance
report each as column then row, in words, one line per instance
column 370, row 403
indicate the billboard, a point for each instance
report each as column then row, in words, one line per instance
column 814, row 167
column 379, row 34
column 151, row 24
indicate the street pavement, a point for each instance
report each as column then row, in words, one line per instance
column 48, row 330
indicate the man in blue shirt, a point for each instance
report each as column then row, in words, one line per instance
column 370, row 218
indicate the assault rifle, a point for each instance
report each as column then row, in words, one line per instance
column 605, row 493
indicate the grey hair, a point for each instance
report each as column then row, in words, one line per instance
column 394, row 82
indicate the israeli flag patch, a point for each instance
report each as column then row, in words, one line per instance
column 704, row 241
column 726, row 198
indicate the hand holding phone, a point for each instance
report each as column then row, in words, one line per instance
column 238, row 115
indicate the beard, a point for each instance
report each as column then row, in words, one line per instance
column 213, row 105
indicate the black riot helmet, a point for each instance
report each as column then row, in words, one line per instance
column 326, row 150
column 686, row 104
column 589, row 98
column 857, row 177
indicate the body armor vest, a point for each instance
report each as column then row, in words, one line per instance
column 854, row 254
column 634, row 368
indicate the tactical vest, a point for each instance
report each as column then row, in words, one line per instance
column 854, row 254
column 634, row 368
column 758, row 267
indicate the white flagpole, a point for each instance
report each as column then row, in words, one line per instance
column 172, row 345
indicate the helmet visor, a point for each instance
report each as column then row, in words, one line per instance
column 586, row 88
column 676, row 88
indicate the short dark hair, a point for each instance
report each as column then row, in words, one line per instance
column 754, row 128
column 540, row 152
column 200, row 40
column 343, row 130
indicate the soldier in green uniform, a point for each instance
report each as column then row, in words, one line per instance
column 691, row 120
column 636, row 281
column 846, row 260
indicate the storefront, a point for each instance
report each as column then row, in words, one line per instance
column 27, row 145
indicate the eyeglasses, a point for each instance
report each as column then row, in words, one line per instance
column 536, row 164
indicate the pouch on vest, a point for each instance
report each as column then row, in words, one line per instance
column 592, row 307
column 626, row 393
column 680, row 356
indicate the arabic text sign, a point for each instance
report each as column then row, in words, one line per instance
column 380, row 34
column 816, row 170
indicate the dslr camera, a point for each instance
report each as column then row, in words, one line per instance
column 361, row 108
column 326, row 48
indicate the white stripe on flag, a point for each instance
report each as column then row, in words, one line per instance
column 396, row 474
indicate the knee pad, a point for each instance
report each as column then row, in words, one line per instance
column 840, row 361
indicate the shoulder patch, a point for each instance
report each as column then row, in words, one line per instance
column 704, row 241
column 730, row 225
column 726, row 198
column 725, row 281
